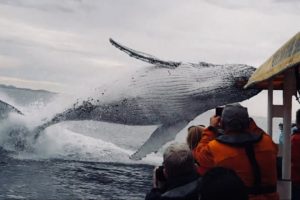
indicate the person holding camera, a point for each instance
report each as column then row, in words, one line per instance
column 244, row 148
column 177, row 178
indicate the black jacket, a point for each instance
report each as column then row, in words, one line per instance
column 182, row 188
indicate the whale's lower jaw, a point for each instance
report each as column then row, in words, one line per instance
column 132, row 113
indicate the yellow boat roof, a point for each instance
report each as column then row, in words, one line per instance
column 286, row 57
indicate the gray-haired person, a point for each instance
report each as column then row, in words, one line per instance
column 177, row 177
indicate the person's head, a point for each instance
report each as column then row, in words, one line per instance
column 194, row 136
column 222, row 183
column 234, row 118
column 178, row 160
column 298, row 118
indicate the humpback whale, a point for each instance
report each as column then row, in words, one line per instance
column 166, row 93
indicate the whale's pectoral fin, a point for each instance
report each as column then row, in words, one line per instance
column 145, row 57
column 159, row 137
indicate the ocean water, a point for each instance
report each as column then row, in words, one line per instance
column 70, row 160
column 71, row 179
column 69, row 164
column 74, row 160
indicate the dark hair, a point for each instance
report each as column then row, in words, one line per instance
column 222, row 183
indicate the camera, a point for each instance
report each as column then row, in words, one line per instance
column 159, row 173
column 219, row 111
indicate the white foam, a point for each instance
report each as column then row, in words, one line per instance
column 57, row 142
column 78, row 141
column 63, row 141
column 13, row 131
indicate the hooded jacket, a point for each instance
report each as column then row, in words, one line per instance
column 179, row 188
column 251, row 154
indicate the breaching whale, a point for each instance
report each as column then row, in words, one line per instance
column 167, row 94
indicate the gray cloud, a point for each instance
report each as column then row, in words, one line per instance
column 50, row 6
column 66, row 41
column 266, row 6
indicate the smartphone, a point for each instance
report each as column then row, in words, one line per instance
column 219, row 111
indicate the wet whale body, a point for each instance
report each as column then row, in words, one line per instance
column 167, row 94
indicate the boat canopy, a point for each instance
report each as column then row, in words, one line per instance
column 288, row 56
column 281, row 72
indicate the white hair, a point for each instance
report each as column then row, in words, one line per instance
column 178, row 159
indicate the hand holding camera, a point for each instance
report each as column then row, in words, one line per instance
column 215, row 121
column 219, row 111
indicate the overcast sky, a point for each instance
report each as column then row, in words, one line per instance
column 59, row 44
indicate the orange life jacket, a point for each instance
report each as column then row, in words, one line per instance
column 256, row 164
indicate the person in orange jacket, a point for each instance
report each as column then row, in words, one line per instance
column 244, row 148
column 295, row 159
